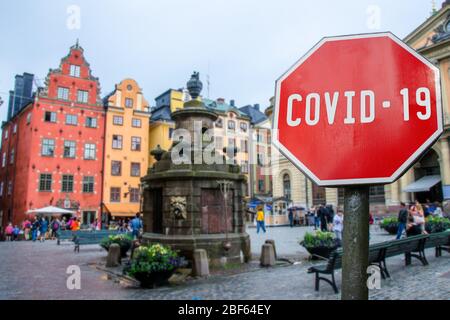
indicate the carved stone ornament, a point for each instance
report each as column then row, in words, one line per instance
column 178, row 207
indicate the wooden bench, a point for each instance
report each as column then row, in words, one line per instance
column 411, row 247
column 64, row 235
column 91, row 237
column 68, row 235
column 440, row 241
column 377, row 255
column 334, row 262
column 378, row 252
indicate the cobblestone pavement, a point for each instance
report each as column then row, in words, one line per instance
column 38, row 271
column 287, row 239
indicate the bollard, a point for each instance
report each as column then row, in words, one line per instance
column 272, row 242
column 113, row 258
column 267, row 255
column 200, row 266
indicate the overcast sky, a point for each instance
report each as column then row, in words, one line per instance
column 244, row 45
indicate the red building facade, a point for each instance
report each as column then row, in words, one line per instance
column 52, row 150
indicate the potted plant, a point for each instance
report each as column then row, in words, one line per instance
column 123, row 240
column 153, row 265
column 390, row 225
column 320, row 243
column 437, row 224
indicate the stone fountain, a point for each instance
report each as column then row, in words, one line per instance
column 195, row 203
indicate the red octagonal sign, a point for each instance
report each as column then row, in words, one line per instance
column 357, row 110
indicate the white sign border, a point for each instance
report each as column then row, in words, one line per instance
column 358, row 181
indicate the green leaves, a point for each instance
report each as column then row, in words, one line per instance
column 319, row 239
column 437, row 224
column 123, row 240
column 154, row 258
column 388, row 221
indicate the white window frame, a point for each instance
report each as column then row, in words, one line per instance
column 71, row 117
column 90, row 149
column 82, row 96
column 75, row 70
column 63, row 93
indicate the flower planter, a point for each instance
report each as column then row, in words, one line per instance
column 124, row 247
column 324, row 252
column 151, row 280
column 435, row 224
column 391, row 228
column 124, row 241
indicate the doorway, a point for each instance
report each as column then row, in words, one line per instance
column 429, row 166
column 157, row 211
column 213, row 212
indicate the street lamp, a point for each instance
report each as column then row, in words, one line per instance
column 225, row 186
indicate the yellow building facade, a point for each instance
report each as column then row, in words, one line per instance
column 161, row 124
column 126, row 148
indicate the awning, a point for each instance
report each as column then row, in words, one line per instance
column 50, row 210
column 423, row 184
column 122, row 209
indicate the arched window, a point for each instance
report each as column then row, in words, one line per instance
column 287, row 186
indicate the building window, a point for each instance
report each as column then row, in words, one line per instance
column 15, row 128
column 48, row 147
column 287, row 186
column 260, row 159
column 259, row 138
column 29, row 118
column 219, row 123
column 10, row 185
column 4, row 159
column 231, row 125
column 319, row 195
column 116, row 168
column 11, row 157
column 67, row 183
column 91, row 122
column 117, row 141
column 88, row 184
column 114, row 194
column 82, row 96
column 117, row 120
column 50, row 116
column 261, row 185
column 6, row 134
column 128, row 102
column 89, row 151
column 231, row 142
column 376, row 194
column 243, row 126
column 89, row 217
column 1, row 189
column 135, row 169
column 71, row 119
column 244, row 167
column 69, row 149
column 74, row 71
column 45, row 182
column 170, row 133
column 63, row 93
column 134, row 194
column 244, row 146
column 136, row 123
column 135, row 144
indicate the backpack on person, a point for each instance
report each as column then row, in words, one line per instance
column 55, row 225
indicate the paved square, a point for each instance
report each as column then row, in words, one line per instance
column 38, row 271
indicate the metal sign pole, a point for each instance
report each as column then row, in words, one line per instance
column 355, row 258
